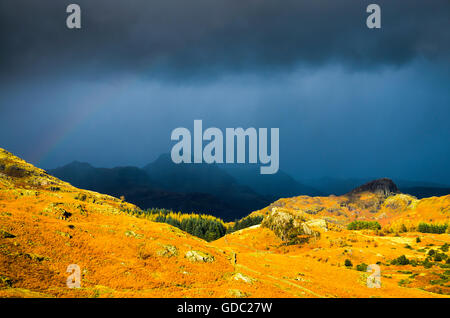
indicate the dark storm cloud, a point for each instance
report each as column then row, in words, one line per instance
column 178, row 37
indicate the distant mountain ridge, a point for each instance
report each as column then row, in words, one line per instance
column 228, row 192
column 192, row 177
column 104, row 180
column 426, row 192
column 163, row 184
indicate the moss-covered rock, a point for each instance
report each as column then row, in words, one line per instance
column 289, row 227
column 168, row 251
column 197, row 256
column 133, row 234
column 5, row 281
column 36, row 257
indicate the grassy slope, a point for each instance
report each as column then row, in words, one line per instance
column 55, row 225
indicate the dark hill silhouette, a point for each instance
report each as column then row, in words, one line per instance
column 426, row 192
column 162, row 184
column 204, row 178
column 279, row 185
column 113, row 181
column 192, row 177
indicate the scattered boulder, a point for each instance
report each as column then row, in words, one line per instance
column 64, row 234
column 134, row 235
column 236, row 293
column 168, row 251
column 36, row 257
column 197, row 256
column 80, row 196
column 314, row 210
column 63, row 214
column 246, row 279
column 56, row 209
column 4, row 234
column 5, row 281
column 82, row 209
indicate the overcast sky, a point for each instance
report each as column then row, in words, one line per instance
column 349, row 101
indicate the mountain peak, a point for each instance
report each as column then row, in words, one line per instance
column 384, row 186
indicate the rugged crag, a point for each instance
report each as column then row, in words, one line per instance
column 384, row 187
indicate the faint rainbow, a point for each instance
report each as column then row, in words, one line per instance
column 96, row 101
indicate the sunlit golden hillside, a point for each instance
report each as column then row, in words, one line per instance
column 303, row 248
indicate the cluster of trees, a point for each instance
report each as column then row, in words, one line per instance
column 436, row 256
column 244, row 223
column 432, row 228
column 206, row 227
column 359, row 267
column 402, row 260
column 432, row 256
column 362, row 225
column 362, row 267
column 421, row 227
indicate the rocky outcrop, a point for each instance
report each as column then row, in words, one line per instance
column 291, row 228
column 400, row 202
column 384, row 186
column 319, row 224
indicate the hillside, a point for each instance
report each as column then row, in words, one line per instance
column 47, row 224
column 378, row 200
column 302, row 249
